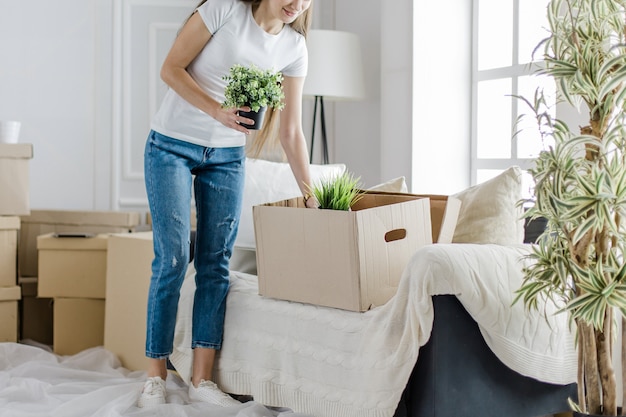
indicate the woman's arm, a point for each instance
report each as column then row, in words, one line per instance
column 192, row 38
column 292, row 137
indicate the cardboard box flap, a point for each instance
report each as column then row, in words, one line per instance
column 368, row 200
column 444, row 210
column 10, row 293
column 83, row 218
column 49, row 241
column 444, row 215
column 9, row 223
column 16, row 150
column 296, row 202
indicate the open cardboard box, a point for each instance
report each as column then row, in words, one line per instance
column 351, row 260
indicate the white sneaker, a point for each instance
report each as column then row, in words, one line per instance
column 208, row 392
column 153, row 393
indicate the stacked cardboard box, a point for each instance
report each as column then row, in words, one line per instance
column 129, row 260
column 9, row 297
column 9, row 230
column 9, row 291
column 66, row 306
column 15, row 178
column 35, row 313
column 37, row 308
column 72, row 271
column 41, row 222
column 14, row 201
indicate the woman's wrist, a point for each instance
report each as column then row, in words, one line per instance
column 310, row 201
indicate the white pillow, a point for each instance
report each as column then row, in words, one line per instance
column 268, row 182
column 489, row 211
column 396, row 185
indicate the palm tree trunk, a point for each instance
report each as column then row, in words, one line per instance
column 592, row 380
column 582, row 403
column 605, row 364
column 623, row 365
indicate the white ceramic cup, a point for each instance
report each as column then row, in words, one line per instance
column 9, row 131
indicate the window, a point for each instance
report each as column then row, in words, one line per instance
column 505, row 34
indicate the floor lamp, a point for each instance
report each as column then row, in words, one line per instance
column 335, row 73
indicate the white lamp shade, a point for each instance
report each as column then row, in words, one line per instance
column 335, row 66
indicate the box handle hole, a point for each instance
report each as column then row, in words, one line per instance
column 396, row 234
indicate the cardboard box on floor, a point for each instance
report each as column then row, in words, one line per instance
column 15, row 178
column 41, row 222
column 36, row 313
column 351, row 260
column 9, row 297
column 78, row 325
column 9, row 229
column 129, row 261
column 72, row 266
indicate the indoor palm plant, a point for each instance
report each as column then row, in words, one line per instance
column 253, row 87
column 580, row 188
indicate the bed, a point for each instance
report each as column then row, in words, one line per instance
column 327, row 362
column 449, row 343
column 390, row 361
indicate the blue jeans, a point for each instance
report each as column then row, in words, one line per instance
column 170, row 166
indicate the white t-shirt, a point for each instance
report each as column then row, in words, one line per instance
column 236, row 39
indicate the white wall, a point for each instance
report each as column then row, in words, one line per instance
column 47, row 81
column 358, row 124
column 60, row 77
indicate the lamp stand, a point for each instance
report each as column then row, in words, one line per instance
column 319, row 99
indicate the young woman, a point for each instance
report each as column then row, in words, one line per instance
column 193, row 139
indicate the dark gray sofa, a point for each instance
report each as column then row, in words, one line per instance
column 457, row 374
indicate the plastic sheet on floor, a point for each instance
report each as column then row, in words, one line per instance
column 35, row 382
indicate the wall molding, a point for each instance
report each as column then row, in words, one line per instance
column 143, row 31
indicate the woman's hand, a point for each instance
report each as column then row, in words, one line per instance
column 310, row 201
column 230, row 117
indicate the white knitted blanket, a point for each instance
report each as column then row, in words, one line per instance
column 333, row 363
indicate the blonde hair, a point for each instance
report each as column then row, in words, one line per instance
column 267, row 134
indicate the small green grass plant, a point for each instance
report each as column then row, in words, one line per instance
column 337, row 193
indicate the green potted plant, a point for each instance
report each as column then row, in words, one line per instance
column 256, row 88
column 580, row 188
column 337, row 193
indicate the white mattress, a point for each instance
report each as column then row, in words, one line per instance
column 333, row 363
